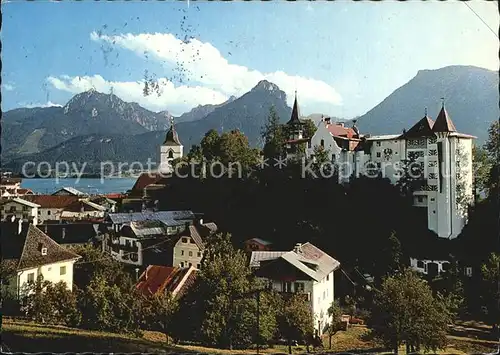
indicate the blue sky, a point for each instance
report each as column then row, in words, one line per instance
column 343, row 57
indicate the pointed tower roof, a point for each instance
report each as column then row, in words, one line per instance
column 443, row 122
column 172, row 138
column 422, row 128
column 294, row 119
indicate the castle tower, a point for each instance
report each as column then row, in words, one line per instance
column 170, row 149
column 447, row 220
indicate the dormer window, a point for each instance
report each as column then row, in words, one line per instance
column 44, row 251
column 185, row 240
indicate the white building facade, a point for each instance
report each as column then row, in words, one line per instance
column 434, row 152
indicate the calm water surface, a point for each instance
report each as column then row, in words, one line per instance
column 91, row 186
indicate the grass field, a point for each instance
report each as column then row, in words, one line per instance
column 21, row 336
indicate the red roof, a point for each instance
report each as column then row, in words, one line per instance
column 158, row 278
column 52, row 201
column 154, row 279
column 146, row 179
column 115, row 196
column 24, row 191
column 341, row 131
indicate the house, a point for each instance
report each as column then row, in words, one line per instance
column 104, row 201
column 257, row 244
column 51, row 206
column 27, row 252
column 71, row 233
column 20, row 208
column 159, row 242
column 11, row 187
column 83, row 209
column 306, row 270
column 170, row 218
column 429, row 267
column 158, row 279
column 441, row 159
column 69, row 191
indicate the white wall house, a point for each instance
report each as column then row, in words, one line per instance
column 305, row 270
column 170, row 149
column 20, row 209
column 28, row 253
column 427, row 267
column 443, row 155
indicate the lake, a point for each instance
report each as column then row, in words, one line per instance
column 90, row 186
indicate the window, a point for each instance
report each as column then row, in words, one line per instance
column 62, row 270
column 12, row 208
column 39, row 212
column 182, row 264
column 199, row 254
column 309, row 144
column 190, row 264
column 324, row 295
column 322, row 143
column 48, row 213
column 468, row 271
column 190, row 253
column 49, row 268
column 328, row 277
column 378, row 144
column 299, row 287
column 170, row 154
column 31, row 277
column 378, row 154
column 420, row 264
column 182, row 252
column 420, row 198
column 191, row 241
column 433, row 199
column 287, row 287
column 198, row 266
column 25, row 208
column 184, row 240
column 44, row 251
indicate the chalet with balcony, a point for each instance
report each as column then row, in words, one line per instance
column 306, row 270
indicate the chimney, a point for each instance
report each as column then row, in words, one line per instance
column 341, row 124
column 201, row 220
column 327, row 120
column 63, row 232
column 298, row 248
column 20, row 226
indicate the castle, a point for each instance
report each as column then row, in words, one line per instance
column 442, row 156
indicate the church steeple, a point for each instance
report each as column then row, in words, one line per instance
column 295, row 118
column 172, row 138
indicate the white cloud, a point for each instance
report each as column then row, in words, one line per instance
column 8, row 87
column 175, row 99
column 32, row 105
column 200, row 62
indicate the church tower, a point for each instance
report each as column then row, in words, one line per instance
column 170, row 149
column 295, row 124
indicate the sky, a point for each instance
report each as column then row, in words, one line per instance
column 343, row 58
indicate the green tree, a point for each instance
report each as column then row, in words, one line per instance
column 481, row 165
column 492, row 147
column 390, row 259
column 296, row 320
column 274, row 135
column 63, row 303
column 35, row 303
column 224, row 278
column 406, row 312
column 162, row 309
column 210, row 145
column 335, row 312
column 309, row 128
column 489, row 287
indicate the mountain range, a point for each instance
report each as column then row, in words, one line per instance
column 470, row 95
column 96, row 127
